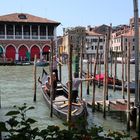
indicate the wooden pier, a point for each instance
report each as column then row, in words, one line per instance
column 111, row 105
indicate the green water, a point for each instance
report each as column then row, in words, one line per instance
column 16, row 88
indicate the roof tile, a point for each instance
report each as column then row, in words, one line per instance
column 15, row 17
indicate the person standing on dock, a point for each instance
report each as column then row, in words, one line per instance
column 75, row 85
column 54, row 68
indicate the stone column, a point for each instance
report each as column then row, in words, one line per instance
column 38, row 32
column 47, row 32
column 14, row 31
column 30, row 31
column 5, row 29
column 22, row 31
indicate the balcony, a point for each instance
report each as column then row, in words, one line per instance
column 25, row 37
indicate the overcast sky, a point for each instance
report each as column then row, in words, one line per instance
column 71, row 13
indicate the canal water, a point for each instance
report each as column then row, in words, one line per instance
column 16, row 88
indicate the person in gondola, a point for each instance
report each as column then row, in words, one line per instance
column 54, row 83
column 55, row 62
column 75, row 85
column 48, row 85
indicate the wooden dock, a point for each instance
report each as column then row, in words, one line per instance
column 111, row 105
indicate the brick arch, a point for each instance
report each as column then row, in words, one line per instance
column 46, row 49
column 10, row 52
column 35, row 51
column 45, row 52
column 22, row 52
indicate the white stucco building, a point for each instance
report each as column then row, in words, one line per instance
column 94, row 40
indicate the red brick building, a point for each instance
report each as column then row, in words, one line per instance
column 24, row 35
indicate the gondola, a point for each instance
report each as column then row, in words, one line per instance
column 60, row 103
column 99, row 79
column 42, row 63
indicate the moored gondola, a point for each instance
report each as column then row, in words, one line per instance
column 117, row 83
column 60, row 103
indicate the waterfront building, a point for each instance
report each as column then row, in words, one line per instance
column 94, row 40
column 74, row 36
column 122, row 36
column 22, row 36
column 121, row 39
column 89, row 37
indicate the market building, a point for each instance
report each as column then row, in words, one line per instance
column 22, row 36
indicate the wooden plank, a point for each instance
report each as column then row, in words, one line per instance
column 74, row 111
column 77, row 104
column 64, row 105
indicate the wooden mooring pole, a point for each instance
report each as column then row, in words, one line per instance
column 91, row 65
column 137, row 54
column 51, row 67
column 122, row 48
column 94, row 74
column 0, row 99
column 110, row 44
column 125, row 59
column 105, row 81
column 128, row 86
column 60, row 69
column 115, row 72
column 81, row 69
column 87, row 74
column 70, row 84
column 107, row 53
column 34, row 72
column 99, row 68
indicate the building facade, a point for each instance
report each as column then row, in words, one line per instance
column 122, row 37
column 94, row 41
column 74, row 36
column 90, row 41
column 22, row 36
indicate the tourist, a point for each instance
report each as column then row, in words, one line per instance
column 75, row 86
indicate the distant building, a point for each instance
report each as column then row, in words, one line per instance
column 122, row 36
column 22, row 36
column 73, row 36
column 102, row 29
column 90, row 38
column 93, row 41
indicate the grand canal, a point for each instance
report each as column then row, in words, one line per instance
column 16, row 88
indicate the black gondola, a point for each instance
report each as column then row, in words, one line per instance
column 60, row 103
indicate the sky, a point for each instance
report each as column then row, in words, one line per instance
column 72, row 13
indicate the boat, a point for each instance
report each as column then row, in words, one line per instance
column 99, row 79
column 42, row 63
column 60, row 103
column 22, row 63
column 119, row 60
column 93, row 61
